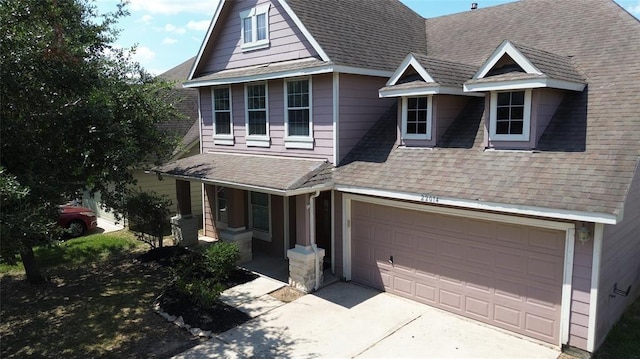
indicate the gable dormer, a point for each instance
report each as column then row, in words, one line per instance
column 430, row 97
column 525, row 87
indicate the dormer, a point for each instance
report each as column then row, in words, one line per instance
column 430, row 97
column 525, row 87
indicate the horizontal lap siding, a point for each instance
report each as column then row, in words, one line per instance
column 620, row 263
column 581, row 294
column 360, row 108
column 167, row 187
column 322, row 112
column 286, row 40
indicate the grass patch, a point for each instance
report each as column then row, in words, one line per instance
column 624, row 339
column 78, row 251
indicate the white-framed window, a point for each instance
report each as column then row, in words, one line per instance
column 260, row 215
column 510, row 118
column 255, row 28
column 257, row 114
column 222, row 213
column 416, row 117
column 298, row 114
column 222, row 119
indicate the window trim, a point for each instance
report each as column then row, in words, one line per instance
column 526, row 125
column 413, row 136
column 302, row 142
column 252, row 14
column 257, row 140
column 259, row 233
column 227, row 139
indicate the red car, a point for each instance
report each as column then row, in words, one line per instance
column 77, row 220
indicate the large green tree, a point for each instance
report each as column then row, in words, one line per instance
column 76, row 113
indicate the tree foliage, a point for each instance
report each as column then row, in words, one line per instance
column 147, row 213
column 76, row 112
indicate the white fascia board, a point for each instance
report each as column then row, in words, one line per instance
column 246, row 187
column 216, row 16
column 304, row 30
column 524, row 84
column 437, row 90
column 515, row 54
column 286, row 74
column 261, row 77
column 487, row 206
column 410, row 60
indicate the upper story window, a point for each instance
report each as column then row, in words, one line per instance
column 510, row 117
column 260, row 215
column 255, row 27
column 257, row 119
column 416, row 117
column 222, row 123
column 298, row 117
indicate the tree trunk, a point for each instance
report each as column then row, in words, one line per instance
column 31, row 267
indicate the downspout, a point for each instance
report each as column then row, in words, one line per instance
column 312, row 236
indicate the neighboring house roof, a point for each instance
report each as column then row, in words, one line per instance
column 186, row 102
column 252, row 172
column 586, row 158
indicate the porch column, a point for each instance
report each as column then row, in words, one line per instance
column 236, row 230
column 183, row 226
column 304, row 258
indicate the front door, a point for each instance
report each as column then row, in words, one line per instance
column 323, row 224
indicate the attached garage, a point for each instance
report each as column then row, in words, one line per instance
column 505, row 274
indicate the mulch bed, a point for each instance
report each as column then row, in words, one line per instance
column 219, row 318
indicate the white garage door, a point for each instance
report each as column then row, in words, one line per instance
column 505, row 275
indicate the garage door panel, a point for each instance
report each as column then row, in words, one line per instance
column 540, row 327
column 477, row 307
column 426, row 293
column 451, row 300
column 502, row 274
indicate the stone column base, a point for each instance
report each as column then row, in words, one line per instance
column 302, row 267
column 185, row 230
column 243, row 239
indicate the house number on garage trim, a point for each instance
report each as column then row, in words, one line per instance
column 426, row 197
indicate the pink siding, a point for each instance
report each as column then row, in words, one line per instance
column 544, row 103
column 322, row 112
column 286, row 40
column 620, row 263
column 360, row 107
column 581, row 294
column 445, row 109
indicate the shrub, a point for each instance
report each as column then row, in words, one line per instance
column 147, row 214
column 201, row 276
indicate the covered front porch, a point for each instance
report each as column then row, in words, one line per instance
column 282, row 222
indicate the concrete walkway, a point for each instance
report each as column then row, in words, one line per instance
column 345, row 320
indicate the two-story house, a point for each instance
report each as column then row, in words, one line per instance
column 485, row 163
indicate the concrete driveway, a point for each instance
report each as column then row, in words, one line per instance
column 345, row 320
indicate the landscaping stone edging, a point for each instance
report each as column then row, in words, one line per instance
column 179, row 322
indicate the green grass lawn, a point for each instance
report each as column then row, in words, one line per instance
column 78, row 251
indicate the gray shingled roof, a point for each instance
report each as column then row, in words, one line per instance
column 589, row 152
column 363, row 33
column 268, row 172
column 186, row 102
column 552, row 65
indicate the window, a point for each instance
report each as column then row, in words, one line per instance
column 416, row 117
column 510, row 115
column 260, row 215
column 222, row 122
column 298, row 121
column 256, row 115
column 255, row 28
column 222, row 215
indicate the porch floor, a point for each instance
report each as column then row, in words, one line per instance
column 278, row 268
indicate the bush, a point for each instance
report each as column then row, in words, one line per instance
column 147, row 214
column 201, row 276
